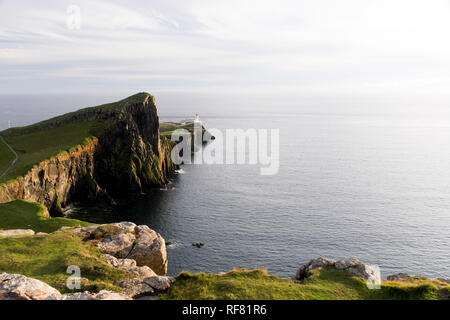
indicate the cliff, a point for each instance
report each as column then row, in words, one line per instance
column 122, row 154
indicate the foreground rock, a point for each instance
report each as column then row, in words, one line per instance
column 352, row 265
column 130, row 266
column 125, row 240
column 150, row 250
column 16, row 232
column 19, row 287
column 102, row 295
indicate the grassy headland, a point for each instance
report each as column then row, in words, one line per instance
column 21, row 214
column 45, row 139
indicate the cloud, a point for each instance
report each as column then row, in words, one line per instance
column 348, row 44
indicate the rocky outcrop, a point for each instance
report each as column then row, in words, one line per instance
column 304, row 271
column 126, row 156
column 150, row 250
column 352, row 265
column 125, row 242
column 19, row 287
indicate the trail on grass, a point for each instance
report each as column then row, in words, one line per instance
column 13, row 162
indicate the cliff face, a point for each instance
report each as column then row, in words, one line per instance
column 128, row 156
column 131, row 156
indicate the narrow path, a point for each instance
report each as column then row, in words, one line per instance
column 13, row 162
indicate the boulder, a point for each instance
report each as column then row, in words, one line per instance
column 16, row 232
column 19, row 287
column 129, row 241
column 135, row 287
column 129, row 265
column 118, row 245
column 304, row 270
column 111, row 295
column 149, row 250
column 159, row 283
column 125, row 226
column 102, row 295
column 369, row 273
column 347, row 263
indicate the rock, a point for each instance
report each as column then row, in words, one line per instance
column 198, row 244
column 369, row 273
column 16, row 232
column 159, row 283
column 150, row 250
column 129, row 265
column 118, row 263
column 135, row 287
column 65, row 228
column 304, row 270
column 41, row 234
column 142, row 272
column 111, row 295
column 78, row 296
column 90, row 228
column 347, row 263
column 118, row 245
column 398, row 276
column 102, row 295
column 125, row 226
column 19, row 287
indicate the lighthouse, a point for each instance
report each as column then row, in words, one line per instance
column 197, row 118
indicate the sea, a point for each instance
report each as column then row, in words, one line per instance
column 365, row 176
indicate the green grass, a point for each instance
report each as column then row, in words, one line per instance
column 20, row 214
column 6, row 157
column 47, row 257
column 139, row 97
column 323, row 284
column 38, row 146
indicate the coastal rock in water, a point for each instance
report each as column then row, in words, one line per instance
column 16, row 232
column 135, row 287
column 304, row 271
column 149, row 250
column 19, row 287
column 118, row 245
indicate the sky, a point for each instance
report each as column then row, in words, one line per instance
column 57, row 46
